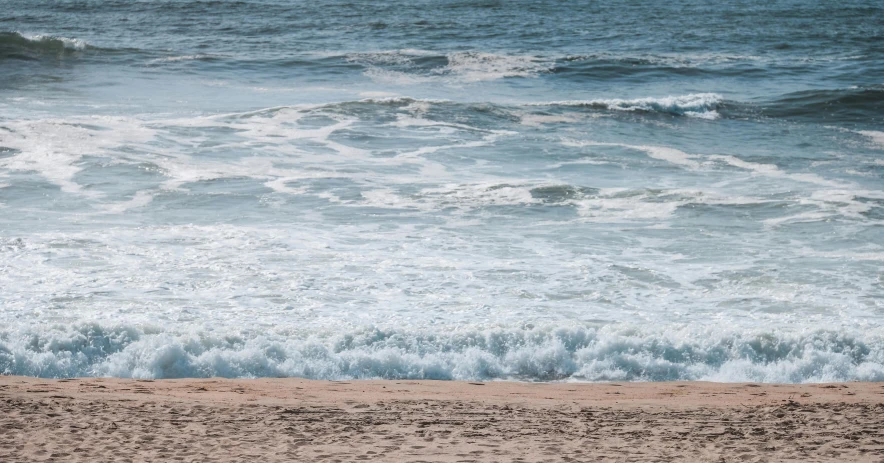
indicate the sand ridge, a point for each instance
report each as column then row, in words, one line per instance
column 221, row 420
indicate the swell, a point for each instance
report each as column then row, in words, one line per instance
column 859, row 104
column 692, row 105
column 598, row 66
column 607, row 66
column 577, row 353
column 17, row 46
column 863, row 104
column 856, row 104
column 699, row 105
column 14, row 44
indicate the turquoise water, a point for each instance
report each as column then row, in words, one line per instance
column 448, row 190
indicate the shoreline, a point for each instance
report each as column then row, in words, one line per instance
column 216, row 419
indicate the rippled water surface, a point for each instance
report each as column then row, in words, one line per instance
column 524, row 190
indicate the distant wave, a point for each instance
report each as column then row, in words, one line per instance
column 408, row 66
column 183, row 59
column 195, row 57
column 398, row 100
column 531, row 354
column 696, row 105
column 611, row 66
column 17, row 45
column 702, row 105
column 474, row 66
column 855, row 104
column 675, row 60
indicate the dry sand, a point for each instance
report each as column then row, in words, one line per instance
column 96, row 420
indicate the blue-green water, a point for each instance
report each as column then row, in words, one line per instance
column 527, row 190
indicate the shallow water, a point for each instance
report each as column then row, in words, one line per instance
column 521, row 190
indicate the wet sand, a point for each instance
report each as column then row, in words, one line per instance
column 221, row 420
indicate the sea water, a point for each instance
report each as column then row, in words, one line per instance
column 448, row 189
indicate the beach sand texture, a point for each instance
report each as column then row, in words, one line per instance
column 221, row 420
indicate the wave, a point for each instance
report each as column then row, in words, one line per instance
column 855, row 104
column 474, row 66
column 703, row 105
column 674, row 60
column 14, row 45
column 644, row 66
column 177, row 58
column 607, row 353
column 409, row 66
column 611, row 66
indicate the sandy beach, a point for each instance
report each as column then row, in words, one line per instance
column 224, row 420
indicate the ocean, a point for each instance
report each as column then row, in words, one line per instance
column 473, row 190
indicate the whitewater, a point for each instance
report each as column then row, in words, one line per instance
column 451, row 190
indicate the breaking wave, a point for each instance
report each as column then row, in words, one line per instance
column 608, row 353
column 16, row 45
column 407, row 67
column 702, row 105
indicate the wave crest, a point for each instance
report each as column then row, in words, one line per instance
column 13, row 43
column 533, row 354
column 704, row 105
column 475, row 66
column 418, row 66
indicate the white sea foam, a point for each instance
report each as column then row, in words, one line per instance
column 538, row 120
column 389, row 76
column 403, row 214
column 877, row 137
column 662, row 153
column 56, row 148
column 839, row 199
column 401, row 57
column 140, row 199
column 771, row 170
column 461, row 68
column 618, row 206
column 476, row 67
column 381, row 57
column 837, row 204
column 373, row 95
column 766, row 169
column 403, row 100
column 53, row 147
